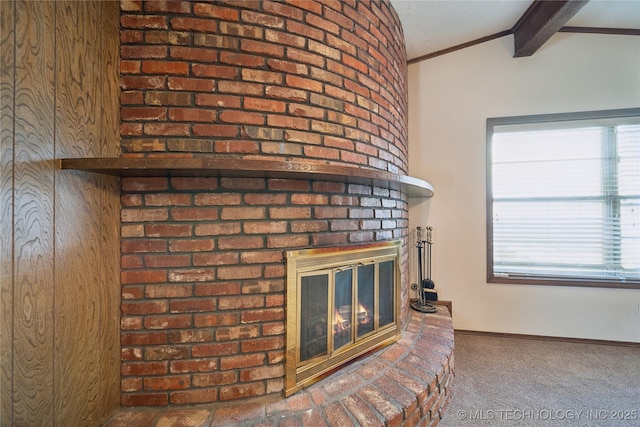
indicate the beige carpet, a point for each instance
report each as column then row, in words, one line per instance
column 507, row 381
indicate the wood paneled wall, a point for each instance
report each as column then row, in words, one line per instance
column 59, row 253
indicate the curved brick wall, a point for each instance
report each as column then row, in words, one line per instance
column 320, row 80
column 203, row 271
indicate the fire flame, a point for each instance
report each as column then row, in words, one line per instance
column 340, row 323
column 363, row 314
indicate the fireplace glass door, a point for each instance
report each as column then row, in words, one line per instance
column 339, row 306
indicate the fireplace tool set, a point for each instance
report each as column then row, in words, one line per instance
column 425, row 286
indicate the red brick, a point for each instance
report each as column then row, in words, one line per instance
column 240, row 302
column 337, row 415
column 190, row 336
column 214, row 349
column 131, row 261
column 266, row 49
column 167, row 322
column 263, row 104
column 194, row 214
column 194, row 24
column 276, row 300
column 193, row 54
column 309, row 199
column 237, row 332
column 192, row 115
column 262, row 344
column 144, row 399
column 215, row 258
column 165, row 67
column 142, row 82
column 191, row 245
column 236, row 273
column 240, row 242
column 194, row 183
column 273, row 271
column 140, row 246
column 261, row 373
column 143, row 338
column 159, row 261
column 192, row 275
column 261, row 257
column 172, row 352
column 131, row 353
column 189, row 305
column 193, row 365
column 143, row 276
column 218, row 288
column 190, row 84
column 241, row 213
column 214, row 11
column 142, row 215
column 236, row 147
column 167, row 383
column 144, row 368
column 302, row 29
column 241, row 117
column 241, row 88
column 130, row 129
column 248, row 184
column 217, row 229
column 290, row 213
column 273, row 329
column 264, row 315
column 145, row 307
column 220, row 101
column 226, row 319
column 184, row 397
column 166, row 129
column 268, row 227
column 214, row 379
column 130, row 323
column 167, row 6
column 283, row 10
column 219, row 199
column 215, row 130
column 288, row 39
column 262, row 19
column 286, row 93
column 167, row 230
column 244, row 391
column 287, row 241
column 242, row 361
column 132, row 292
column 214, row 71
column 130, row 384
column 129, row 67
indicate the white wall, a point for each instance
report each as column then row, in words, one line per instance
column 450, row 98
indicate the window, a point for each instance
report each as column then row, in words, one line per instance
column 563, row 199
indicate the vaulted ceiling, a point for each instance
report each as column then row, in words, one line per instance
column 432, row 26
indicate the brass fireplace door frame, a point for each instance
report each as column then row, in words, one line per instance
column 300, row 263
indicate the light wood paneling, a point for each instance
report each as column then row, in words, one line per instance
column 110, row 210
column 6, row 208
column 33, row 294
column 60, row 229
column 77, row 230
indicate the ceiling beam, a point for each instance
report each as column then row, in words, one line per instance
column 541, row 21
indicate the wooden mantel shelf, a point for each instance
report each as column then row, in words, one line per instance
column 252, row 168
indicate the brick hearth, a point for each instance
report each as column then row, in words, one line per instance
column 405, row 384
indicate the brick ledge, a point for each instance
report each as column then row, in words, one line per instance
column 404, row 384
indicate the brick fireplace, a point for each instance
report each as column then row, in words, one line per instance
column 303, row 83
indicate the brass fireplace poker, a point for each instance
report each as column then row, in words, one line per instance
column 425, row 286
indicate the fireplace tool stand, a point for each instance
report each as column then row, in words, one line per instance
column 425, row 286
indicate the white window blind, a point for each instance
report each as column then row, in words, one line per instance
column 565, row 200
